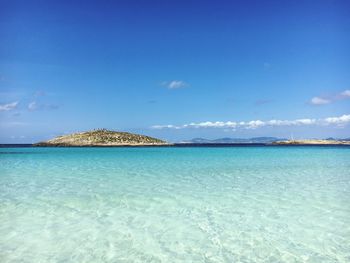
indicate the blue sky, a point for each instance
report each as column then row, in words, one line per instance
column 175, row 69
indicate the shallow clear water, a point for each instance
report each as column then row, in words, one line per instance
column 239, row 204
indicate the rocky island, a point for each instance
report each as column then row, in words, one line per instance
column 102, row 137
column 312, row 142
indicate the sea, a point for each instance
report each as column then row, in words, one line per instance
column 175, row 204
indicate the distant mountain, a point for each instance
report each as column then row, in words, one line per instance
column 198, row 140
column 237, row 140
column 337, row 139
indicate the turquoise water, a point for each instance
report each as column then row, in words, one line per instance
column 239, row 204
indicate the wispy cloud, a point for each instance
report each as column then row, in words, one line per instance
column 262, row 102
column 255, row 124
column 319, row 101
column 322, row 100
column 12, row 124
column 17, row 137
column 8, row 106
column 39, row 93
column 267, row 65
column 345, row 94
column 175, row 84
column 34, row 106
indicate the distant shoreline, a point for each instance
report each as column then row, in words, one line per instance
column 177, row 145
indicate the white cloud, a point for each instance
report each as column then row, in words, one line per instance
column 252, row 125
column 345, row 93
column 159, row 127
column 8, row 106
column 330, row 99
column 305, row 122
column 175, row 84
column 319, row 101
column 255, row 124
column 338, row 120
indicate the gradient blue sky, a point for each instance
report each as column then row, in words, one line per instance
column 206, row 68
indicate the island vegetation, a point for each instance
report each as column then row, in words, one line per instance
column 102, row 137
